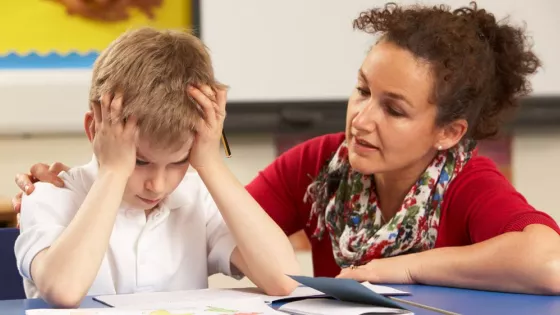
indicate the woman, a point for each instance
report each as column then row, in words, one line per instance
column 402, row 196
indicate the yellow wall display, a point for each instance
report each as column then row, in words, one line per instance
column 44, row 26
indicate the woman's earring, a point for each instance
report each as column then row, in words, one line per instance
column 440, row 148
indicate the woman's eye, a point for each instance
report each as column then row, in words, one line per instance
column 393, row 112
column 362, row 91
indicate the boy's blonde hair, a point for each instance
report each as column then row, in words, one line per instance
column 152, row 68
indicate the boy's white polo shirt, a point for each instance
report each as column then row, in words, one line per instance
column 175, row 248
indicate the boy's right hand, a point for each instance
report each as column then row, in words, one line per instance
column 114, row 142
column 41, row 172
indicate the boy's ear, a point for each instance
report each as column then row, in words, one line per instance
column 89, row 125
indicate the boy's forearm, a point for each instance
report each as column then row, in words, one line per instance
column 67, row 269
column 265, row 248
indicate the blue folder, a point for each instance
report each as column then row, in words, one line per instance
column 347, row 290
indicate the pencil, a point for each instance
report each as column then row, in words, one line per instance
column 430, row 308
column 226, row 145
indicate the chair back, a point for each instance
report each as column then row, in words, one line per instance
column 11, row 282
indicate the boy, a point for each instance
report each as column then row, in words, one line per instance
column 133, row 220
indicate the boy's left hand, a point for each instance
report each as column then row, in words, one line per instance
column 206, row 146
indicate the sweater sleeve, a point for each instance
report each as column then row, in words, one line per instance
column 281, row 186
column 490, row 205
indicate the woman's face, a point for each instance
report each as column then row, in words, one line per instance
column 390, row 123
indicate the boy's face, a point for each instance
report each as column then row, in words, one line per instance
column 158, row 172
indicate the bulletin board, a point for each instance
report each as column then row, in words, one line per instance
column 41, row 34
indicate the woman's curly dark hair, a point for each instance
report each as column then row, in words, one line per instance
column 480, row 65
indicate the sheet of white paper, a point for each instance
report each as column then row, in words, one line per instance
column 176, row 298
column 320, row 306
column 384, row 290
column 248, row 306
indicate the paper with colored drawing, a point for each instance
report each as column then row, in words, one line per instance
column 250, row 306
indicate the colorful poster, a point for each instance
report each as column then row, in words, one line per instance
column 71, row 33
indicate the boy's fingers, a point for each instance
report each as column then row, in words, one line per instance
column 221, row 99
column 217, row 101
column 105, row 113
column 115, row 111
column 210, row 94
column 202, row 98
column 131, row 125
column 205, row 104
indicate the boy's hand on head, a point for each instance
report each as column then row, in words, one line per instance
column 114, row 143
column 206, row 147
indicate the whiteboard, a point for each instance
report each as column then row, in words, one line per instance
column 275, row 50
column 43, row 100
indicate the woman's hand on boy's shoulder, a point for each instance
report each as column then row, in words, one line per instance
column 39, row 172
column 212, row 105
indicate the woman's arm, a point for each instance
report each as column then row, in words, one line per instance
column 514, row 247
column 522, row 262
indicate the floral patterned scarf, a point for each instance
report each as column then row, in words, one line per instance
column 345, row 203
